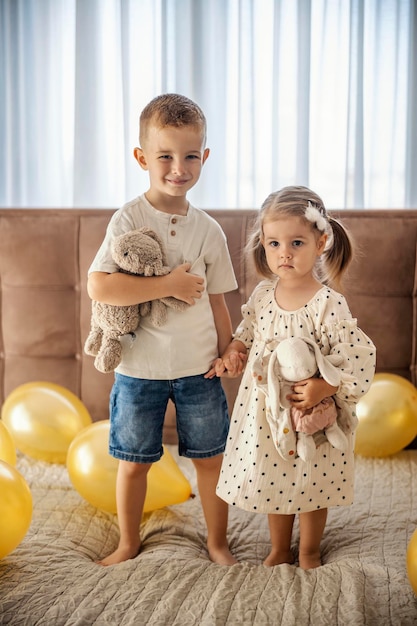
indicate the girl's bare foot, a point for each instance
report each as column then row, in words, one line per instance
column 119, row 555
column 309, row 561
column 221, row 556
column 278, row 558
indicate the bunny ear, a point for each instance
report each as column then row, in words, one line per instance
column 278, row 418
column 274, row 381
column 328, row 370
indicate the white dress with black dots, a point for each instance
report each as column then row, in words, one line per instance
column 254, row 476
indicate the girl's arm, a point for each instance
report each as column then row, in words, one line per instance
column 233, row 359
column 124, row 289
column 357, row 353
column 308, row 393
column 231, row 363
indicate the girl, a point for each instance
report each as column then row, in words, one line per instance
column 299, row 250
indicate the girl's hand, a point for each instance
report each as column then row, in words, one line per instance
column 234, row 363
column 307, row 393
column 231, row 364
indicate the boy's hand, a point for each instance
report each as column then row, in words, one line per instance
column 185, row 286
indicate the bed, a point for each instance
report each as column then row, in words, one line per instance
column 51, row 578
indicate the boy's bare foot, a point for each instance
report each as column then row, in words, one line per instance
column 278, row 558
column 120, row 555
column 309, row 561
column 222, row 556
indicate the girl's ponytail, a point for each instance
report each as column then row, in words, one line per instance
column 337, row 257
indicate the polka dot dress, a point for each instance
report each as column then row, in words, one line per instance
column 254, row 476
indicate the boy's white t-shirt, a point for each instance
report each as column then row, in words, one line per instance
column 187, row 344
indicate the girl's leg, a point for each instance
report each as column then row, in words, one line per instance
column 130, row 497
column 280, row 528
column 312, row 526
column 215, row 510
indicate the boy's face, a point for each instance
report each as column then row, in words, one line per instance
column 173, row 157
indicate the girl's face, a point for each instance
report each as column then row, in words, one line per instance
column 292, row 247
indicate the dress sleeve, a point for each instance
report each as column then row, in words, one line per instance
column 245, row 332
column 357, row 355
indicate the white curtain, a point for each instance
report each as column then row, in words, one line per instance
column 314, row 92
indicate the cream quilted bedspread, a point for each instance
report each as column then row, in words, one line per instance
column 51, row 578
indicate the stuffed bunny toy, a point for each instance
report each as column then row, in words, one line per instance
column 138, row 252
column 293, row 360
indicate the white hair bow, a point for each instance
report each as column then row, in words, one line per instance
column 314, row 216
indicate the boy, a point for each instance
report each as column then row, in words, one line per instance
column 169, row 362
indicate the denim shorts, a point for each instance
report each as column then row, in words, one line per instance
column 137, row 412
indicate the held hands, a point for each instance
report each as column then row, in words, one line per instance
column 185, row 286
column 231, row 364
column 307, row 393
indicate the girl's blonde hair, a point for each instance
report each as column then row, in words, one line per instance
column 294, row 201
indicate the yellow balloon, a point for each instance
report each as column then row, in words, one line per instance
column 93, row 472
column 43, row 419
column 387, row 416
column 7, row 447
column 15, row 508
column 412, row 561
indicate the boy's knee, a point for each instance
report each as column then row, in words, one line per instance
column 134, row 470
column 208, row 464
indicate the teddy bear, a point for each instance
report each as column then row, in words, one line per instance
column 138, row 252
column 292, row 429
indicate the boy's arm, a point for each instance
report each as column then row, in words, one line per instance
column 232, row 352
column 125, row 289
column 222, row 320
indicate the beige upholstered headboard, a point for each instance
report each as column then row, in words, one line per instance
column 45, row 309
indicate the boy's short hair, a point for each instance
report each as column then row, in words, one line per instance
column 171, row 109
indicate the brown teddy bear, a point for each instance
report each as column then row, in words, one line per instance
column 138, row 252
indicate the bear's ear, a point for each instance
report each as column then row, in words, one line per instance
column 153, row 235
column 143, row 231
